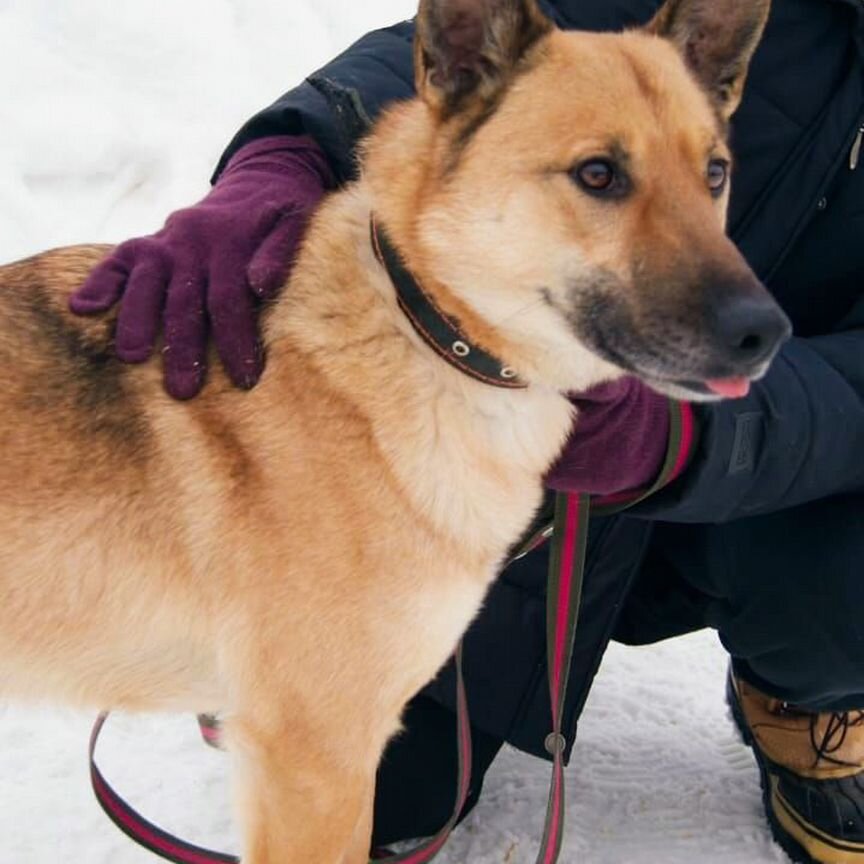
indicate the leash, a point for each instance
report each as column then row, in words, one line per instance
column 566, row 568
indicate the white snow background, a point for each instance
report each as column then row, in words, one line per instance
column 113, row 113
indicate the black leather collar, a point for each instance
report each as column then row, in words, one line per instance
column 439, row 331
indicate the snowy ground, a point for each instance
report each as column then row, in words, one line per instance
column 112, row 113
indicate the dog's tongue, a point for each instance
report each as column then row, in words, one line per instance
column 731, row 388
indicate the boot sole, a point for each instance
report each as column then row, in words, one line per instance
column 787, row 826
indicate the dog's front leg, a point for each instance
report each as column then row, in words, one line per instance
column 358, row 852
column 299, row 799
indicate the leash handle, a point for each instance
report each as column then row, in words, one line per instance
column 567, row 564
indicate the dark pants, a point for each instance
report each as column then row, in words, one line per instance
column 796, row 633
column 416, row 789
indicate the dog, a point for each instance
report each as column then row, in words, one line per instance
column 304, row 557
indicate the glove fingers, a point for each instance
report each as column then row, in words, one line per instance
column 185, row 354
column 105, row 284
column 268, row 215
column 274, row 258
column 234, row 321
column 141, row 310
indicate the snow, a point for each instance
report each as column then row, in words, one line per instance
column 113, row 113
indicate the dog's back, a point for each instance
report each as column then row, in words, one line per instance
column 76, row 445
column 61, row 380
column 72, row 428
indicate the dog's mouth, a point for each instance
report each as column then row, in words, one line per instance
column 715, row 387
column 736, row 387
column 678, row 365
column 661, row 370
column 685, row 356
column 726, row 388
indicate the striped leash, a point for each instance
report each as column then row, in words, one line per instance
column 567, row 562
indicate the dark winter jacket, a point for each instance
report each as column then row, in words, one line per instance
column 767, row 464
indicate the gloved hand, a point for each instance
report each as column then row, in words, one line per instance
column 619, row 442
column 208, row 269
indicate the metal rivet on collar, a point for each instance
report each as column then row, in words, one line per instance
column 460, row 349
column 507, row 372
column 555, row 744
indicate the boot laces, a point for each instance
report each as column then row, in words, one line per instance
column 834, row 735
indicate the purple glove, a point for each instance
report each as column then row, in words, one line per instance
column 211, row 265
column 619, row 442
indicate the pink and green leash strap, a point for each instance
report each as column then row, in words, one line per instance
column 564, row 589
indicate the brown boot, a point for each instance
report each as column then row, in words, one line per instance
column 812, row 768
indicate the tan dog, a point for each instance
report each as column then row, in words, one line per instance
column 305, row 556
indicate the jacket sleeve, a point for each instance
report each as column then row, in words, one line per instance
column 798, row 436
column 337, row 104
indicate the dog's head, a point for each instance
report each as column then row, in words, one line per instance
column 570, row 190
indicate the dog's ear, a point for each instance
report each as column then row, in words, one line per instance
column 466, row 50
column 717, row 39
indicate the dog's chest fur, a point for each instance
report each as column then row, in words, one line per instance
column 468, row 457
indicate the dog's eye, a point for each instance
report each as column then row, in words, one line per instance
column 599, row 177
column 718, row 175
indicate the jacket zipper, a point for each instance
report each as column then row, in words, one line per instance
column 855, row 153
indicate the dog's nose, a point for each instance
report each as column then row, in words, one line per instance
column 749, row 330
